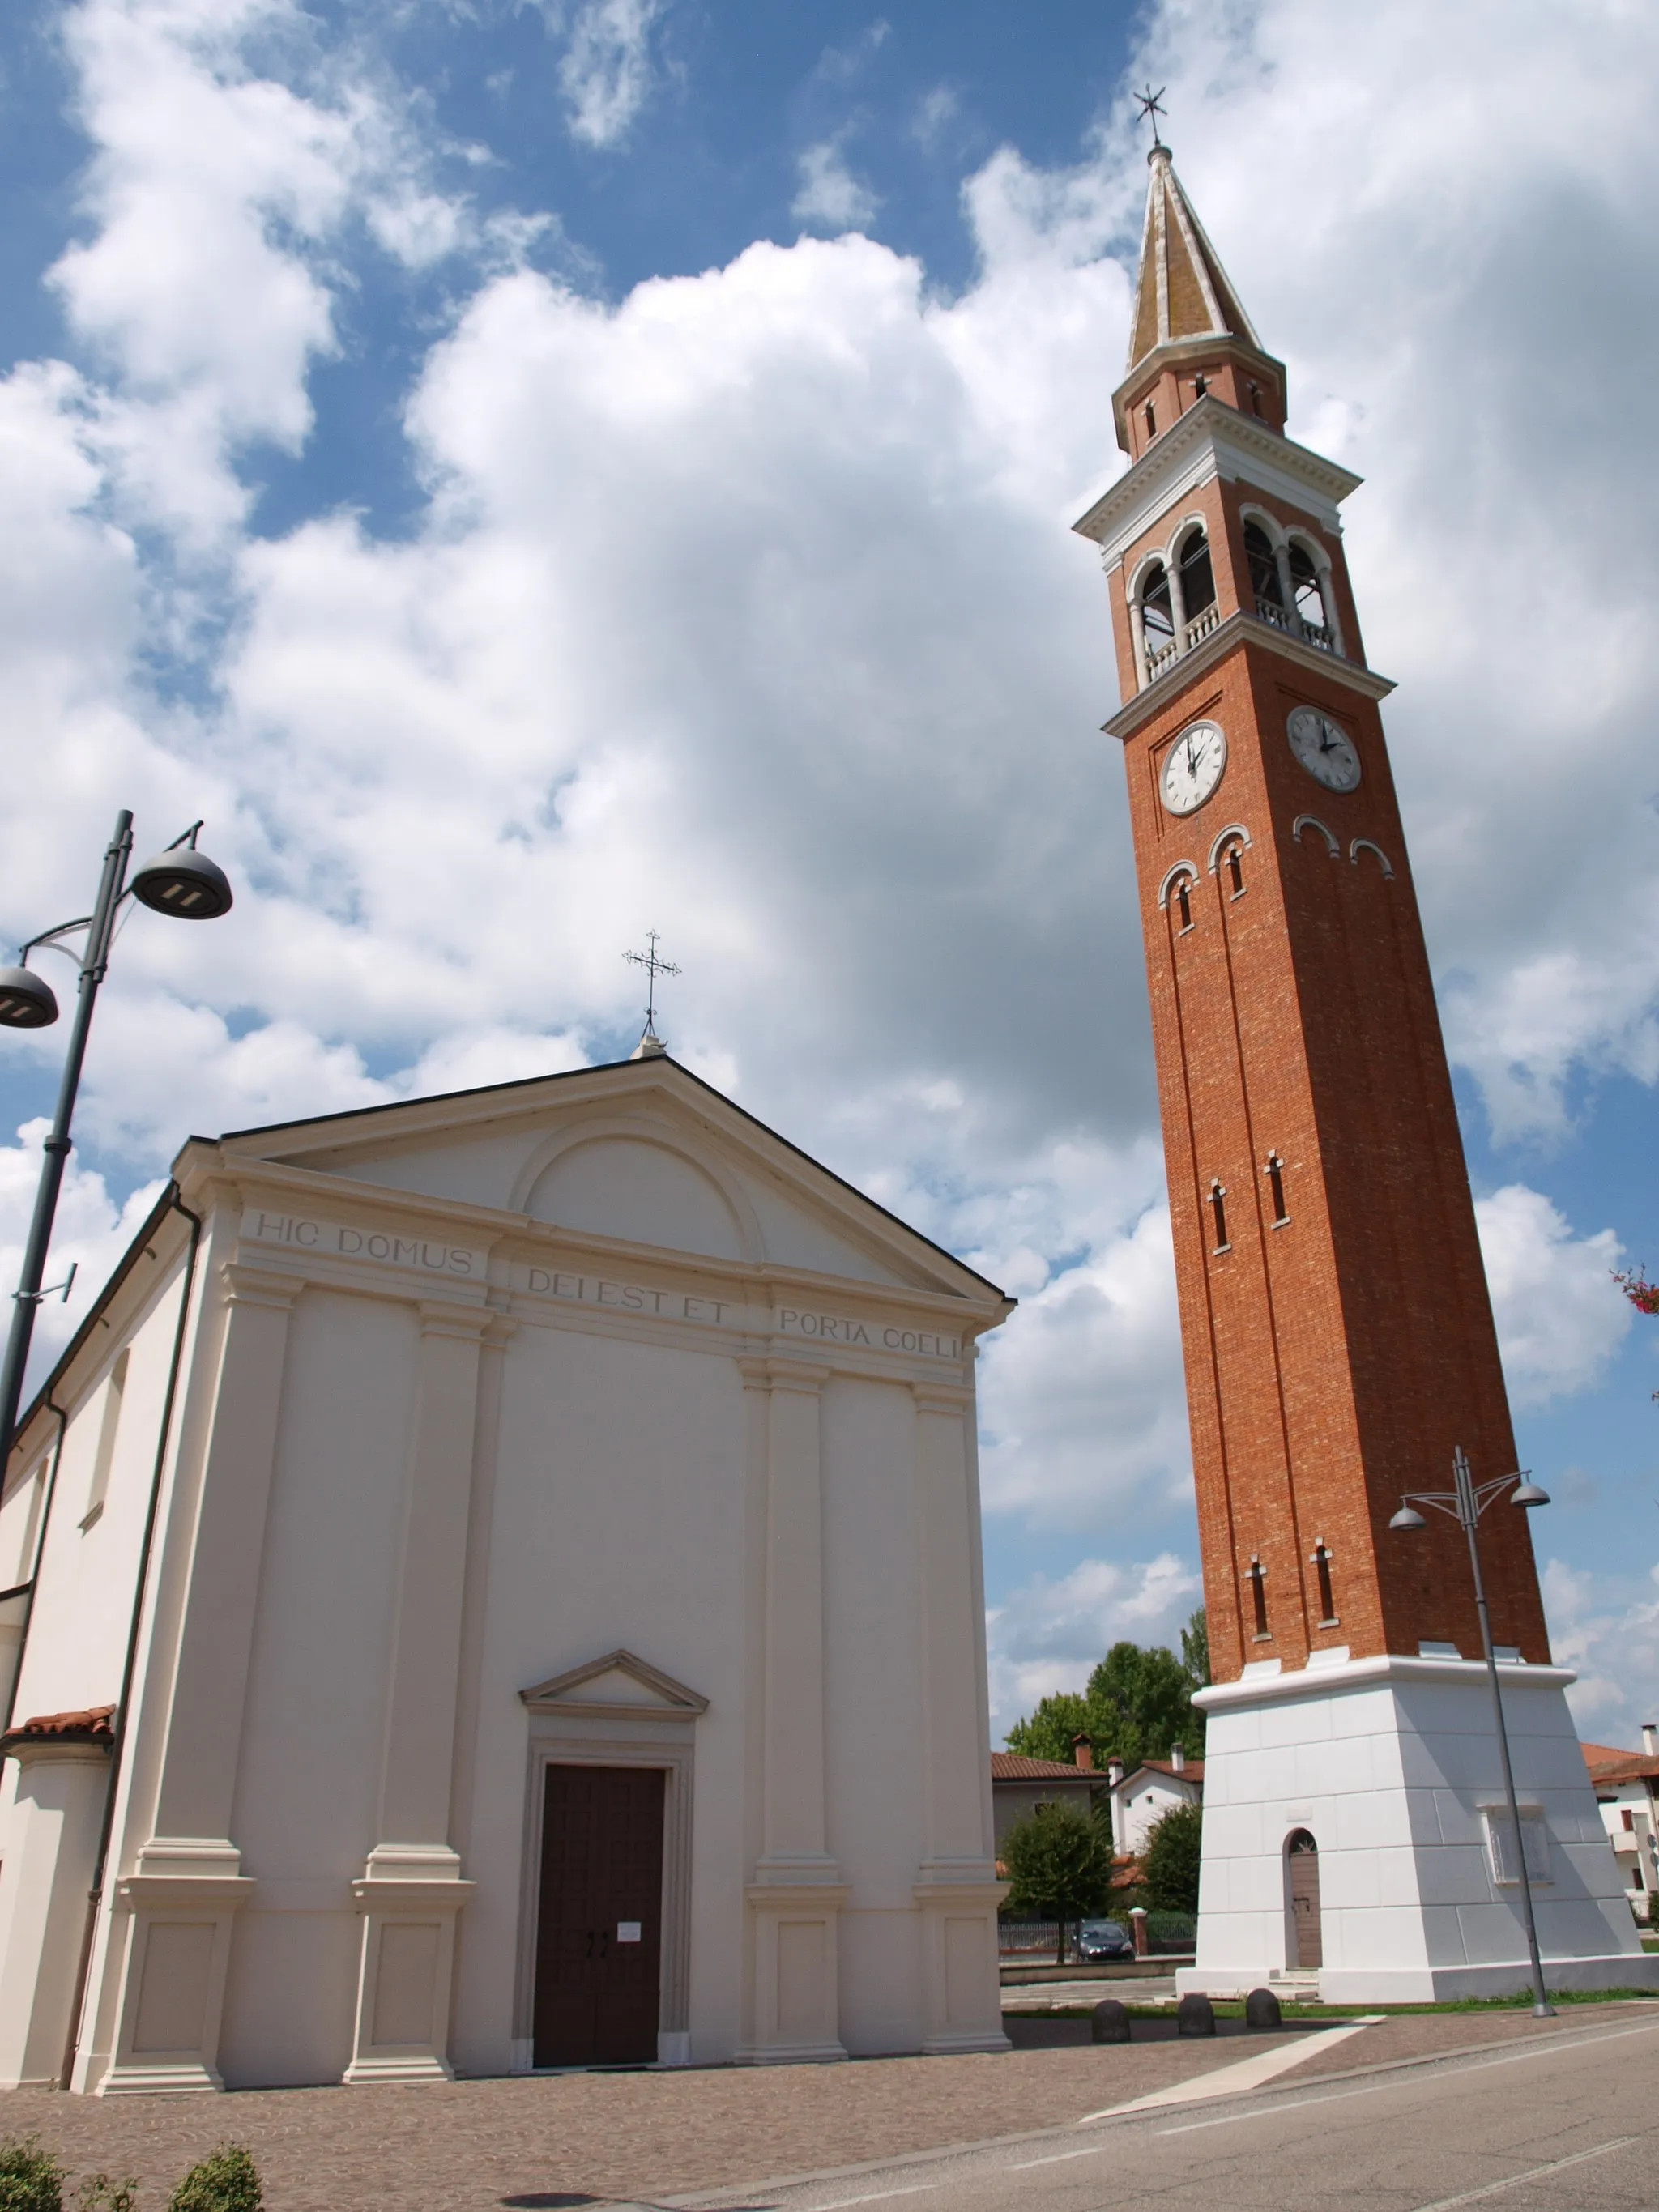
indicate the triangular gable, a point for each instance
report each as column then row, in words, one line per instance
column 730, row 1188
column 619, row 1682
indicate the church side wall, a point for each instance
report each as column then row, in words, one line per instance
column 82, row 1608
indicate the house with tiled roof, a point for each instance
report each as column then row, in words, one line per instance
column 1626, row 1785
column 1020, row 1785
column 1141, row 1798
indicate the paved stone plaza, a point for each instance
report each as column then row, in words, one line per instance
column 597, row 2138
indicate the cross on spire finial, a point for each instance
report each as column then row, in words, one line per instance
column 1151, row 106
column 655, row 965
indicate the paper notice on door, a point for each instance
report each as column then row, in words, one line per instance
column 628, row 1931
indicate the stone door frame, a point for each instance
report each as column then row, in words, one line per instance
column 659, row 1731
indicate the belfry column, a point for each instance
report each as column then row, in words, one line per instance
column 411, row 1889
column 797, row 1891
column 955, row 1884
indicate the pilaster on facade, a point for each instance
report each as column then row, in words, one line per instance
column 796, row 1893
column 409, row 1898
column 794, row 1979
column 172, row 1946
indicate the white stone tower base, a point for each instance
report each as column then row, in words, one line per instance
column 1392, row 1766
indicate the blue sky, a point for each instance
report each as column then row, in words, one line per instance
column 530, row 473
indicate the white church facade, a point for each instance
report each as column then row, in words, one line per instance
column 496, row 1585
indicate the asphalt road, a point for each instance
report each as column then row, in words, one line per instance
column 1568, row 2124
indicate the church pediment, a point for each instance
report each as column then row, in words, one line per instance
column 619, row 1682
column 641, row 1154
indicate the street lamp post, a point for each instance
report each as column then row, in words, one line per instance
column 180, row 881
column 1466, row 1502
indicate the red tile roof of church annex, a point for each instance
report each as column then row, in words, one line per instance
column 1014, row 1766
column 1607, row 1765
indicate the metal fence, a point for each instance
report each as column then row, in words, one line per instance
column 1037, row 1940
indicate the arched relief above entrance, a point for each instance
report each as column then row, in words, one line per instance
column 628, row 1183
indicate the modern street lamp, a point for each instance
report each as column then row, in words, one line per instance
column 180, row 881
column 1466, row 1502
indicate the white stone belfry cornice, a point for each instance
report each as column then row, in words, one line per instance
column 1210, row 440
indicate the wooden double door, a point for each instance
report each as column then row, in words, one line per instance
column 598, row 1940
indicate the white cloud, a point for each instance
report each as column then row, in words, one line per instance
column 830, row 197
column 605, row 74
column 1560, row 1315
column 216, row 194
column 1049, row 1635
column 1083, row 1400
column 1608, row 1630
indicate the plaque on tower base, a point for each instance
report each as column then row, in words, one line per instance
column 1357, row 1837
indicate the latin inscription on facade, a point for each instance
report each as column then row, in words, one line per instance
column 433, row 1256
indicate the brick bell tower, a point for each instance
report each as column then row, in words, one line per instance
column 1337, row 1333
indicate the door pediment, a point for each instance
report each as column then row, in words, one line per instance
column 619, row 1682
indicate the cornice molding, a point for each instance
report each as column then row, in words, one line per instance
column 1240, row 629
column 1209, row 438
column 1368, row 1674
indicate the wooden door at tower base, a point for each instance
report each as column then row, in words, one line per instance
column 598, row 1936
column 1303, row 1856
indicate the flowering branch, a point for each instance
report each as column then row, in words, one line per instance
column 1641, row 1294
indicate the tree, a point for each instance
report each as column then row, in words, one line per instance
column 1169, row 1864
column 1195, row 1649
column 1060, row 1866
column 1136, row 1705
column 1641, row 1294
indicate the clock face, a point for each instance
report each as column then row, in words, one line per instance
column 1193, row 767
column 1324, row 749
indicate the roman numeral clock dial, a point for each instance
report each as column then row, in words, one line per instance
column 1193, row 767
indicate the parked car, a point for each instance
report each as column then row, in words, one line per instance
column 1104, row 1939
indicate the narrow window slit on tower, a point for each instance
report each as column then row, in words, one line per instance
column 1276, row 1188
column 1256, row 1575
column 1236, row 869
column 1151, row 421
column 1322, row 1559
column 1183, row 893
column 1218, row 1208
column 1200, row 384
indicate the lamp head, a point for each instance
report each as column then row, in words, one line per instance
column 1408, row 1518
column 25, row 1000
column 1528, row 1494
column 183, row 882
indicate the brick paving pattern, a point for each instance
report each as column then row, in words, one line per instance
column 594, row 2138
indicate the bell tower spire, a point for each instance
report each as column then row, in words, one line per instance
column 1189, row 333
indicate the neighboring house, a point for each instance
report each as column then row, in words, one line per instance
column 1020, row 1785
column 1140, row 1800
column 1627, row 1784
